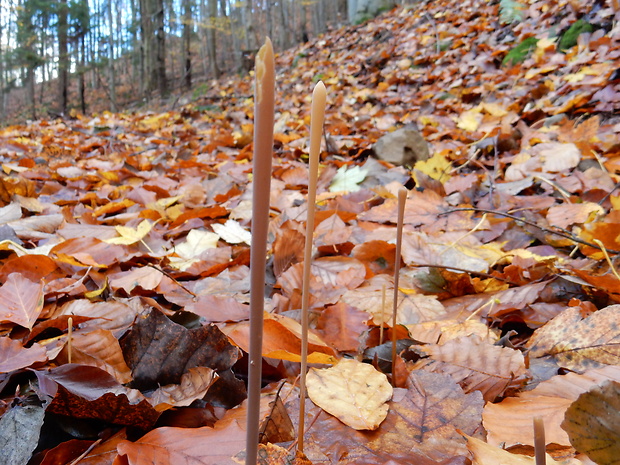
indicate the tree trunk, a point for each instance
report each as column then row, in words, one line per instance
column 63, row 56
column 111, row 73
column 211, row 38
column 187, row 54
column 160, row 50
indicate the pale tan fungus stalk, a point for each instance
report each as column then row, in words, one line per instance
column 319, row 97
column 69, row 337
column 539, row 441
column 382, row 314
column 402, row 198
column 264, row 96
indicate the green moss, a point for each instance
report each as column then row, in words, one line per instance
column 569, row 38
column 520, row 52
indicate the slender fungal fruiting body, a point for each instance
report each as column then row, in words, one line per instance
column 402, row 198
column 264, row 96
column 319, row 97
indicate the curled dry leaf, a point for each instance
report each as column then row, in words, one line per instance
column 193, row 386
column 352, row 391
column 485, row 454
column 593, row 423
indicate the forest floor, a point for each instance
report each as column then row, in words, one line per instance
column 124, row 256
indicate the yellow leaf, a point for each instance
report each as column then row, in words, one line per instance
column 129, row 235
column 436, row 167
column 354, row 392
column 470, row 120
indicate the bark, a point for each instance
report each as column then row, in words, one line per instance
column 63, row 56
column 187, row 54
column 211, row 39
column 111, row 72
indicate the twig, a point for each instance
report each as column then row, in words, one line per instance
column 563, row 234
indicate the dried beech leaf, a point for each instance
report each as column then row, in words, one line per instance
column 476, row 365
column 593, row 423
column 352, row 391
column 485, row 454
column 21, row 300
column 159, row 351
column 193, row 386
column 13, row 355
column 200, row 446
column 549, row 400
column 428, row 416
column 99, row 348
column 580, row 343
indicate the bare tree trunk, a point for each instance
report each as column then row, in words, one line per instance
column 160, row 50
column 211, row 38
column 63, row 56
column 111, row 73
column 187, row 54
column 146, row 46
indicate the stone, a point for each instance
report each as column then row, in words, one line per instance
column 405, row 146
column 363, row 10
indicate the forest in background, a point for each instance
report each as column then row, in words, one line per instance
column 58, row 56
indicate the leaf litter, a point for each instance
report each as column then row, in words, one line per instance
column 508, row 276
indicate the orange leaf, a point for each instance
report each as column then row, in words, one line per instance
column 21, row 300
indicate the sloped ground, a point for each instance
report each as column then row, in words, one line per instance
column 136, row 226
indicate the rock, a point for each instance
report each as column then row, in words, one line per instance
column 404, row 146
column 363, row 10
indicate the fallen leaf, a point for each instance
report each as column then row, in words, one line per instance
column 580, row 343
column 476, row 365
column 14, row 356
column 21, row 300
column 159, row 351
column 549, row 400
column 428, row 416
column 593, row 423
column 129, row 235
column 352, row 391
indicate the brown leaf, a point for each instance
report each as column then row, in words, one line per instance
column 21, row 300
column 580, row 343
column 88, row 251
column 193, row 386
column 476, row 365
column 200, row 446
column 33, row 267
column 427, row 416
column 549, row 400
column 159, row 351
column 342, row 326
column 14, row 356
column 593, row 423
column 98, row 348
column 87, row 392
column 484, row 454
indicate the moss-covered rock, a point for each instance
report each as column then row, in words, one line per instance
column 520, row 52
